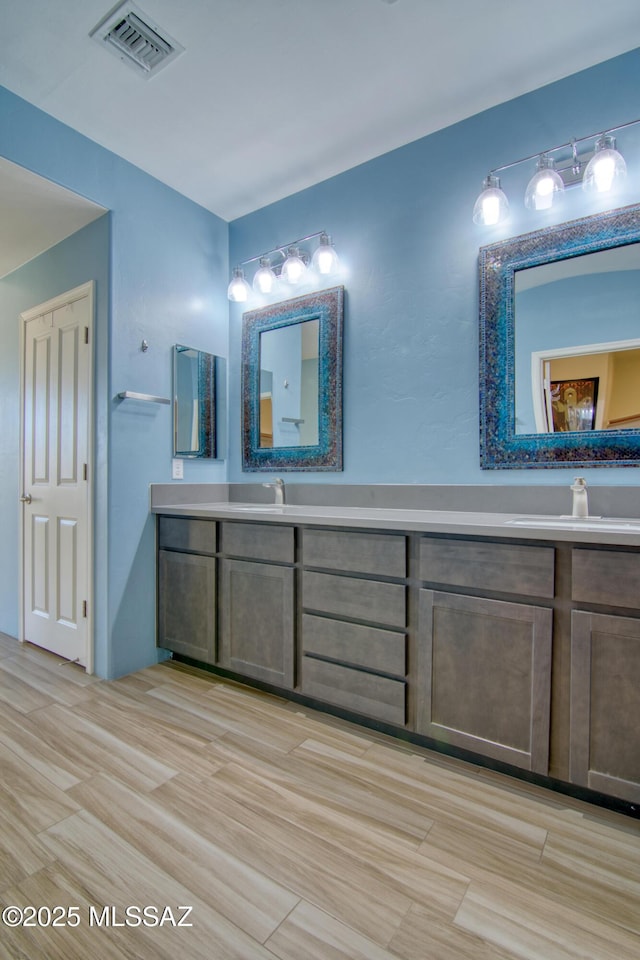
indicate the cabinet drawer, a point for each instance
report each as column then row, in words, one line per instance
column 193, row 536
column 504, row 567
column 606, row 576
column 367, row 600
column 364, row 693
column 353, row 643
column 375, row 553
column 257, row 541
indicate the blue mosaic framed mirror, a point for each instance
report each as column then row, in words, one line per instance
column 292, row 384
column 560, row 345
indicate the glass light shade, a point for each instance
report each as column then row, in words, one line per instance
column 605, row 168
column 325, row 260
column 264, row 279
column 239, row 289
column 294, row 268
column 545, row 187
column 492, row 206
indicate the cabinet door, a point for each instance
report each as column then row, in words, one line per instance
column 485, row 677
column 187, row 604
column 605, row 703
column 257, row 621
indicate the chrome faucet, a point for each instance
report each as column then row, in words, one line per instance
column 278, row 485
column 580, row 499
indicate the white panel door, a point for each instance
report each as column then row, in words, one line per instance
column 56, row 536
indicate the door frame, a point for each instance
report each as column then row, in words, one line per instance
column 77, row 293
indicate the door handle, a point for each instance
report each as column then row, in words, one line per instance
column 25, row 498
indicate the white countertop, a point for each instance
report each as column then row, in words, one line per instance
column 515, row 526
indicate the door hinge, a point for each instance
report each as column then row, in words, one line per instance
column 86, row 334
column 84, row 608
column 85, row 471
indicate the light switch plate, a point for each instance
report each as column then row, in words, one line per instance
column 177, row 469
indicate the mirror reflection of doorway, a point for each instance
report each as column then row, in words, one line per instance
column 587, row 387
column 289, row 385
column 266, row 408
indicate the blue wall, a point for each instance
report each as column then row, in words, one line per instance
column 168, row 262
column 402, row 226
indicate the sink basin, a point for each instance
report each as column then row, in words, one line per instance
column 607, row 524
column 255, row 508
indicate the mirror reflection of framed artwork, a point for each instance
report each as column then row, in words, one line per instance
column 572, row 404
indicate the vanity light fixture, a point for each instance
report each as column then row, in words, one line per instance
column 492, row 205
column 289, row 264
column 264, row 279
column 325, row 259
column 238, row 289
column 598, row 169
column 294, row 267
column 605, row 166
column 545, row 186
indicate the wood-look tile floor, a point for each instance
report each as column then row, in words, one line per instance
column 290, row 834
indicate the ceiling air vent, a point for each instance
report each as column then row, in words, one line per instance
column 135, row 39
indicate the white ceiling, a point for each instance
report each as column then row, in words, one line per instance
column 271, row 96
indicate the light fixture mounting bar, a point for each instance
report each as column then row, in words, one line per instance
column 282, row 248
column 584, row 159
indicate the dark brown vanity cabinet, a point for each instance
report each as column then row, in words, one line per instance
column 605, row 673
column 229, row 603
column 354, row 641
column 257, row 602
column 526, row 653
column 187, row 587
column 484, row 663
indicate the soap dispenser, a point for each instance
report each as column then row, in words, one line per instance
column 580, row 500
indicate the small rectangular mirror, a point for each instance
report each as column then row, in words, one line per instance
column 197, row 381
